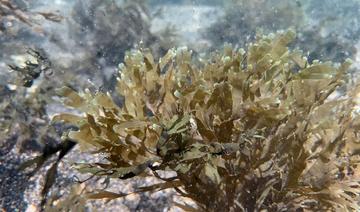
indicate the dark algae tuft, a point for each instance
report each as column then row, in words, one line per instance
column 32, row 70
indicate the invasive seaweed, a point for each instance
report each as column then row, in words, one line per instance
column 248, row 130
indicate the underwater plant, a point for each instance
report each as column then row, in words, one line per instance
column 78, row 49
column 246, row 131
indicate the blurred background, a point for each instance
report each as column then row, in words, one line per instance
column 47, row 44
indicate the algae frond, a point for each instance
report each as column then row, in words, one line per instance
column 247, row 130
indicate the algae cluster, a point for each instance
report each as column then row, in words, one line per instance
column 27, row 63
column 255, row 129
column 246, row 131
column 38, row 56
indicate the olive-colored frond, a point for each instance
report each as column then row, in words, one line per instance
column 249, row 130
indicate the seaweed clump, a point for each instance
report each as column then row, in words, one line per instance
column 249, row 130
